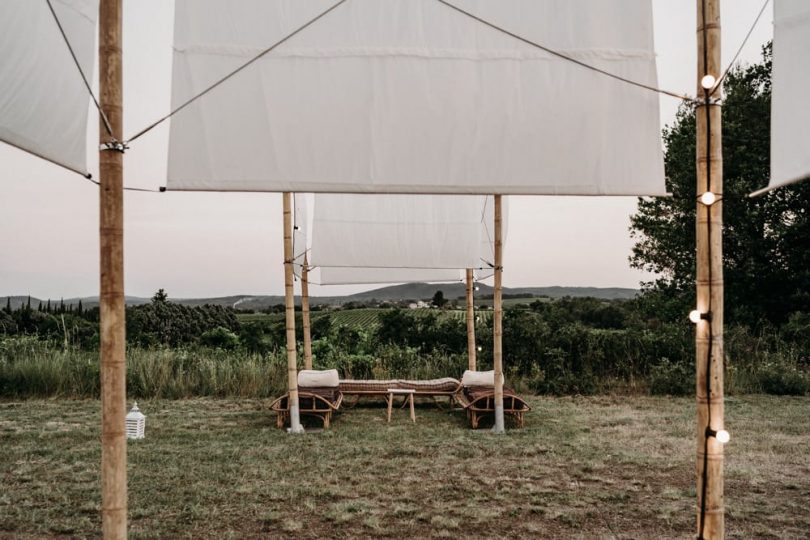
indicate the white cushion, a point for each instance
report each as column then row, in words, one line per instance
column 478, row 378
column 316, row 378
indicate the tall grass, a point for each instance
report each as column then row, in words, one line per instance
column 32, row 368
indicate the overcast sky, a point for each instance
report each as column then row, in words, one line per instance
column 213, row 244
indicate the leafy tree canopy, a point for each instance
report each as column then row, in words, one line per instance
column 766, row 240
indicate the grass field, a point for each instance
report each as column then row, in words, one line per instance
column 602, row 467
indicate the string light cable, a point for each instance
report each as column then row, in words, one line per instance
column 708, row 198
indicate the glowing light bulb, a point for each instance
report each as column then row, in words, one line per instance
column 477, row 288
column 480, row 348
column 722, row 436
column 708, row 198
column 708, row 82
column 695, row 316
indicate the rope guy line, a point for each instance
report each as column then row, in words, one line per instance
column 81, row 72
column 737, row 54
column 237, row 70
column 562, row 55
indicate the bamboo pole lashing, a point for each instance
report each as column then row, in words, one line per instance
column 305, row 320
column 497, row 320
column 471, row 352
column 709, row 281
column 111, row 268
column 289, row 304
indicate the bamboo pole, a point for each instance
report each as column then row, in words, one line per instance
column 305, row 314
column 709, row 333
column 111, row 297
column 497, row 321
column 471, row 356
column 292, row 367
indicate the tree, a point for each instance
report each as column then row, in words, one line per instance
column 766, row 241
column 160, row 297
column 438, row 299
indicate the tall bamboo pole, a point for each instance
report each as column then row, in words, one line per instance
column 111, row 297
column 292, row 367
column 497, row 321
column 709, row 332
column 470, row 321
column 305, row 314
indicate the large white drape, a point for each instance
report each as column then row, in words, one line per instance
column 397, row 231
column 411, row 96
column 43, row 101
column 401, row 238
column 790, row 98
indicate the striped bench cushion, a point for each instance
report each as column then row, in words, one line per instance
column 447, row 384
column 349, row 386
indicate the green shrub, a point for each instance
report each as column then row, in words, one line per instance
column 672, row 378
column 220, row 338
column 784, row 380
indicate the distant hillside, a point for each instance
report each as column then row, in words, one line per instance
column 408, row 291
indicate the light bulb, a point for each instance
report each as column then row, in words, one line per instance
column 695, row 316
column 480, row 348
column 708, row 81
column 477, row 288
column 708, row 198
column 722, row 436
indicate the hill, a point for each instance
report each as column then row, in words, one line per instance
column 407, row 291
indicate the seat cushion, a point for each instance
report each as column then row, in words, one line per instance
column 316, row 378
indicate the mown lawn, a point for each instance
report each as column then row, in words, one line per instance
column 602, row 467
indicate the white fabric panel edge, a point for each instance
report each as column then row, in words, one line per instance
column 790, row 106
column 44, row 104
column 491, row 149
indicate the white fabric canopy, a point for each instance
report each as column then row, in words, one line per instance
column 411, row 96
column 790, row 98
column 43, row 101
column 401, row 238
column 397, row 231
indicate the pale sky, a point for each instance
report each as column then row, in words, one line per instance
column 215, row 244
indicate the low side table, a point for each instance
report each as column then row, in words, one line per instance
column 408, row 397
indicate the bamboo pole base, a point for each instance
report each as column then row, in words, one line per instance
column 500, row 426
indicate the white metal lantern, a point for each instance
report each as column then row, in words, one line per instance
column 136, row 423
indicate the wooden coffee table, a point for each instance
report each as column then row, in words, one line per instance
column 408, row 397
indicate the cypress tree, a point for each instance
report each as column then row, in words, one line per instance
column 79, row 310
column 39, row 307
column 8, row 304
column 48, row 307
column 28, row 305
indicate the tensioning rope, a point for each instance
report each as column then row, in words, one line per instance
column 237, row 70
column 103, row 116
column 737, row 54
column 564, row 56
column 145, row 190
